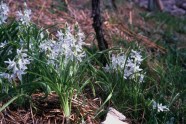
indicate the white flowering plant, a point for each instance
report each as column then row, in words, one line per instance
column 123, row 77
column 29, row 54
column 18, row 44
column 128, row 65
column 62, row 69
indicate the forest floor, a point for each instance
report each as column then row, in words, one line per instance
column 116, row 25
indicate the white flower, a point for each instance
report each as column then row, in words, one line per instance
column 60, row 35
column 3, row 44
column 136, row 55
column 137, row 68
column 107, row 68
column 159, row 107
column 24, row 16
column 21, row 54
column 118, row 62
column 12, row 64
column 141, row 79
column 19, row 74
column 22, row 64
column 3, row 12
column 17, row 66
column 6, row 76
column 41, row 35
column 128, row 72
column 47, row 45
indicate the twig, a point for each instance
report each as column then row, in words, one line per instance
column 32, row 114
column 139, row 37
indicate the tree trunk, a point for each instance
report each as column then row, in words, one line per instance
column 155, row 5
column 97, row 25
column 114, row 4
column 66, row 3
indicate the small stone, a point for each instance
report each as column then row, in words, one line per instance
column 168, row 6
column 143, row 4
column 178, row 12
column 168, row 9
column 174, row 7
column 114, row 117
column 181, row 4
column 169, row 2
column 136, row 1
column 110, row 119
column 117, row 114
column 184, row 6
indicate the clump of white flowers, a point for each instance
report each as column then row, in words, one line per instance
column 128, row 65
column 16, row 67
column 25, row 15
column 159, row 107
column 3, row 12
column 71, row 44
column 67, row 44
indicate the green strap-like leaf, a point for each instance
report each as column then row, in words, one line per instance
column 9, row 102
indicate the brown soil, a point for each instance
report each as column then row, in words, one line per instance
column 47, row 111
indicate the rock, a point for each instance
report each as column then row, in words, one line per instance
column 168, row 8
column 179, row 2
column 183, row 6
column 143, row 4
column 112, row 120
column 117, row 114
column 168, row 2
column 136, row 1
column 178, row 12
column 114, row 117
column 174, row 7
